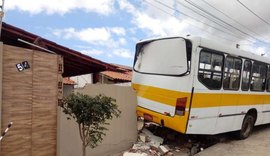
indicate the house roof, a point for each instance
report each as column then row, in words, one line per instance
column 75, row 63
column 122, row 67
column 68, row 81
column 126, row 76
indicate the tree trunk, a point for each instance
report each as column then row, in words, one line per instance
column 83, row 149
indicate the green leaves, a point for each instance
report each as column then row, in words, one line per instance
column 92, row 114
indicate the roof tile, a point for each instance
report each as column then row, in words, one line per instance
column 126, row 76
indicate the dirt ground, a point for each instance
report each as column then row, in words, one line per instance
column 256, row 145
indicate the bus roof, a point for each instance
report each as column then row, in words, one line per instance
column 218, row 47
column 228, row 49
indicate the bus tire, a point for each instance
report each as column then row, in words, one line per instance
column 247, row 127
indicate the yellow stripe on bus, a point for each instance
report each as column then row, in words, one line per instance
column 168, row 121
column 158, row 94
column 200, row 100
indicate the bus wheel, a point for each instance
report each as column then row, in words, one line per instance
column 247, row 127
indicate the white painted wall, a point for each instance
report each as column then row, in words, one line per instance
column 82, row 80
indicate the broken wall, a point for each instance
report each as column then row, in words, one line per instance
column 122, row 131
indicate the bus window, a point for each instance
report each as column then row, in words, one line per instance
column 170, row 57
column 258, row 77
column 232, row 73
column 246, row 75
column 210, row 69
column 268, row 79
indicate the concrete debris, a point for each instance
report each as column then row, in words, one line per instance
column 141, row 146
column 143, row 137
column 169, row 154
column 155, row 140
column 179, row 149
column 140, row 125
column 163, row 149
column 149, row 144
column 154, row 144
column 147, row 132
column 151, row 123
column 134, row 154
column 171, row 143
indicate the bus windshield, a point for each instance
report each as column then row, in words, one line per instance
column 164, row 56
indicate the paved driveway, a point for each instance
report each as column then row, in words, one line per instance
column 258, row 144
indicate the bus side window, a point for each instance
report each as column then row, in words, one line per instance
column 258, row 78
column 232, row 73
column 246, row 75
column 210, row 69
column 268, row 79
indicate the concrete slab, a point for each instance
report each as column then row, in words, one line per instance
column 140, row 146
column 163, row 149
column 134, row 154
column 143, row 137
column 155, row 140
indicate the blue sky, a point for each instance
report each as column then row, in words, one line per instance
column 109, row 29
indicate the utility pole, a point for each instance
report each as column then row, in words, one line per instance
column 1, row 15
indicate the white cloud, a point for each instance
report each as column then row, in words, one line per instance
column 92, row 52
column 125, row 5
column 109, row 55
column 119, row 31
column 124, row 53
column 157, row 22
column 93, row 34
column 261, row 51
column 103, row 7
column 255, row 49
column 122, row 41
column 160, row 27
column 104, row 36
column 154, row 22
column 64, row 33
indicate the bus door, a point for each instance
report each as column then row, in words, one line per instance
column 207, row 93
column 228, row 110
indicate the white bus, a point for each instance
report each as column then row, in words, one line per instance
column 196, row 86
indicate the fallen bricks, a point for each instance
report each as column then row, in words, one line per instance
column 148, row 144
column 171, row 143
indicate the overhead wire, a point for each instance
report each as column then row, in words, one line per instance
column 188, row 22
column 229, row 31
column 207, row 12
column 261, row 40
column 231, row 18
column 266, row 22
column 184, row 14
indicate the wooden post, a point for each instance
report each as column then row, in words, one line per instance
column 1, row 74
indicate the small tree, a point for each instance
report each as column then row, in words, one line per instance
column 91, row 115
